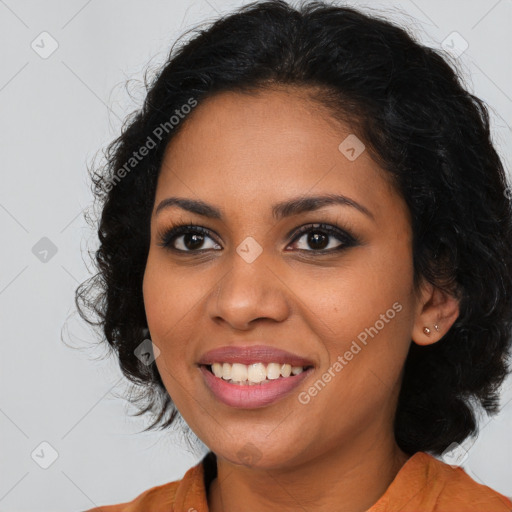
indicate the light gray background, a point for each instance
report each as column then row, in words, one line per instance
column 56, row 113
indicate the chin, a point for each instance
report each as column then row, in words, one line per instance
column 254, row 455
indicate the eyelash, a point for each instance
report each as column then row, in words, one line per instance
column 347, row 239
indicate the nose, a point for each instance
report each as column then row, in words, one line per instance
column 249, row 291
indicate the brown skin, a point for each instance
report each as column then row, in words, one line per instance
column 243, row 153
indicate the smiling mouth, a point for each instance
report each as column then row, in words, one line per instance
column 254, row 374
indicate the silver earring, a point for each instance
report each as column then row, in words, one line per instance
column 436, row 327
column 426, row 330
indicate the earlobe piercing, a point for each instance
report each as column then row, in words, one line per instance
column 427, row 331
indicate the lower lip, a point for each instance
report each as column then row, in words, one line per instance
column 245, row 396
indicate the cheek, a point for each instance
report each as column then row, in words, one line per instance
column 174, row 305
column 169, row 299
column 364, row 312
column 166, row 309
column 365, row 325
column 166, row 306
column 353, row 296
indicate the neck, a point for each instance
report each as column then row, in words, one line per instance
column 351, row 478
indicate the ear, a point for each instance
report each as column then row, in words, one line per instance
column 436, row 312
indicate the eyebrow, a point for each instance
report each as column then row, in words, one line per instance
column 288, row 208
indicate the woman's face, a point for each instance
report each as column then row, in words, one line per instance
column 346, row 306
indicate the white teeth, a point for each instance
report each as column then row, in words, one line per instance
column 254, row 373
column 286, row 370
column 217, row 369
column 226, row 371
column 238, row 372
column 273, row 371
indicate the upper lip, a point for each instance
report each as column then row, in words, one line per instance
column 252, row 354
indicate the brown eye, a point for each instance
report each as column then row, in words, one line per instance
column 318, row 237
column 187, row 238
column 321, row 237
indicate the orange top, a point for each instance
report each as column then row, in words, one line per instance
column 423, row 484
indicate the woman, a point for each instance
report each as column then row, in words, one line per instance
column 309, row 221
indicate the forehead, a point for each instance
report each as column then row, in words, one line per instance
column 276, row 124
column 240, row 149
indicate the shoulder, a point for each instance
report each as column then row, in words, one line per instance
column 459, row 491
column 427, row 484
column 187, row 493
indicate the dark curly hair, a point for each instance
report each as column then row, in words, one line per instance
column 419, row 123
